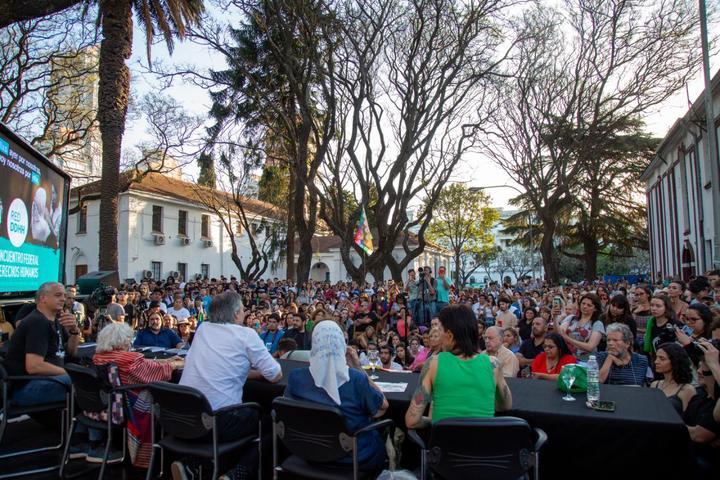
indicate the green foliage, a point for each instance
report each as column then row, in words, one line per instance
column 274, row 185
column 207, row 176
column 462, row 221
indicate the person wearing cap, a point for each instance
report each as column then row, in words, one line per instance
column 184, row 332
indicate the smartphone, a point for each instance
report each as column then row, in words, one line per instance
column 604, row 406
column 557, row 301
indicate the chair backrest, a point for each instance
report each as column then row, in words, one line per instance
column 182, row 411
column 90, row 388
column 488, row 448
column 316, row 433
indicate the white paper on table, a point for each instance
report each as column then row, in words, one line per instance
column 392, row 387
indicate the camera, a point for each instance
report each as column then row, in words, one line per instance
column 667, row 334
column 102, row 296
column 421, row 272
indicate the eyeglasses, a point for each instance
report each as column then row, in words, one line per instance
column 705, row 373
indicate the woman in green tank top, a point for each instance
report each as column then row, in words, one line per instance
column 459, row 382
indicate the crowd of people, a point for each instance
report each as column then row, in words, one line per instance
column 464, row 342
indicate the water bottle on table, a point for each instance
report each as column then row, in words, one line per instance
column 593, row 381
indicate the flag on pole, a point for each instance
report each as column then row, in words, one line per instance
column 363, row 236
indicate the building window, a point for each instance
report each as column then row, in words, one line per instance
column 157, row 220
column 182, row 222
column 239, row 228
column 205, row 270
column 182, row 270
column 82, row 220
column 156, row 268
column 205, row 227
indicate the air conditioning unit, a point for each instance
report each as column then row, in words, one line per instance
column 159, row 239
column 198, row 276
column 147, row 274
column 207, row 243
column 174, row 275
column 184, row 241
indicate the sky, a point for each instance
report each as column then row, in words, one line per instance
column 475, row 170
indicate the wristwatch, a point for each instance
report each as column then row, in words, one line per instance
column 74, row 332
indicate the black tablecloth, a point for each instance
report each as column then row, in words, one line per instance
column 644, row 435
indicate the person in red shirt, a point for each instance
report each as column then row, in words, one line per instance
column 548, row 364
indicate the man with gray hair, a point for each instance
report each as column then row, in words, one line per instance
column 224, row 354
column 495, row 348
column 619, row 365
column 39, row 346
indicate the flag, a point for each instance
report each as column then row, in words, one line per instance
column 363, row 236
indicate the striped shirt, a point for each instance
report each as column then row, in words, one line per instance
column 134, row 368
column 633, row 373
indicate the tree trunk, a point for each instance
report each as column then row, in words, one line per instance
column 547, row 250
column 395, row 272
column 290, row 239
column 378, row 273
column 304, row 233
column 590, row 252
column 458, row 283
column 114, row 91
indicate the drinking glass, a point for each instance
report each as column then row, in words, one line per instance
column 373, row 359
column 569, row 379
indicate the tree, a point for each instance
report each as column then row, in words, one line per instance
column 206, row 177
column 517, row 260
column 462, row 220
column 408, row 77
column 48, row 71
column 115, row 19
column 580, row 75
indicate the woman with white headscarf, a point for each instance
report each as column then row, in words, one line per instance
column 330, row 381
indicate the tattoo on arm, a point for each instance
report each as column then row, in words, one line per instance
column 422, row 396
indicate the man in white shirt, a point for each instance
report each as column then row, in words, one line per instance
column 495, row 348
column 223, row 356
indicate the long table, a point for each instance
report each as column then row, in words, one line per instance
column 644, row 435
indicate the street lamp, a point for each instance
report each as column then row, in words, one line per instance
column 530, row 225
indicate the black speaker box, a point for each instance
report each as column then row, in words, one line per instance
column 90, row 281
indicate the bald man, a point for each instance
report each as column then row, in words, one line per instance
column 495, row 348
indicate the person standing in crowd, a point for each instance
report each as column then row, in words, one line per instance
column 334, row 378
column 641, row 310
column 619, row 312
column 619, row 365
column 224, row 356
column 459, row 382
column 494, row 347
column 39, row 346
column 663, row 316
column 435, row 344
column 555, row 355
column 676, row 291
column 442, row 287
column 504, row 317
column 155, row 335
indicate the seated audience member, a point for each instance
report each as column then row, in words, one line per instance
column 533, row 346
column 113, row 345
column 548, row 364
column 334, row 378
column 619, row 312
column 297, row 331
column 177, row 309
column 288, row 350
column 434, row 345
column 698, row 318
column 619, row 365
column 386, row 359
column 494, row 348
column 272, row 335
column 224, row 356
column 460, row 382
column 403, row 356
column 184, row 332
column 584, row 333
column 39, row 346
column 525, row 325
column 704, row 430
column 673, row 364
column 155, row 335
column 511, row 339
column 505, row 317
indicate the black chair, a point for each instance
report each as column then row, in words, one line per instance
column 317, row 436
column 185, row 417
column 8, row 411
column 488, row 448
column 92, row 393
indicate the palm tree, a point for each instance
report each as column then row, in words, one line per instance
column 170, row 18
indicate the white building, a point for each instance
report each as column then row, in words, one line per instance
column 162, row 228
column 327, row 264
column 679, row 187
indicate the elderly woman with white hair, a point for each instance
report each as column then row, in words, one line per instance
column 113, row 346
column 334, row 378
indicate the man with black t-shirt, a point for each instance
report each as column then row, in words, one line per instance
column 533, row 346
column 363, row 318
column 39, row 345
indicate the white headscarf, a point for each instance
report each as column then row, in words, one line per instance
column 327, row 359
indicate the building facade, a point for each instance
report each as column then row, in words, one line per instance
column 679, row 188
column 162, row 231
